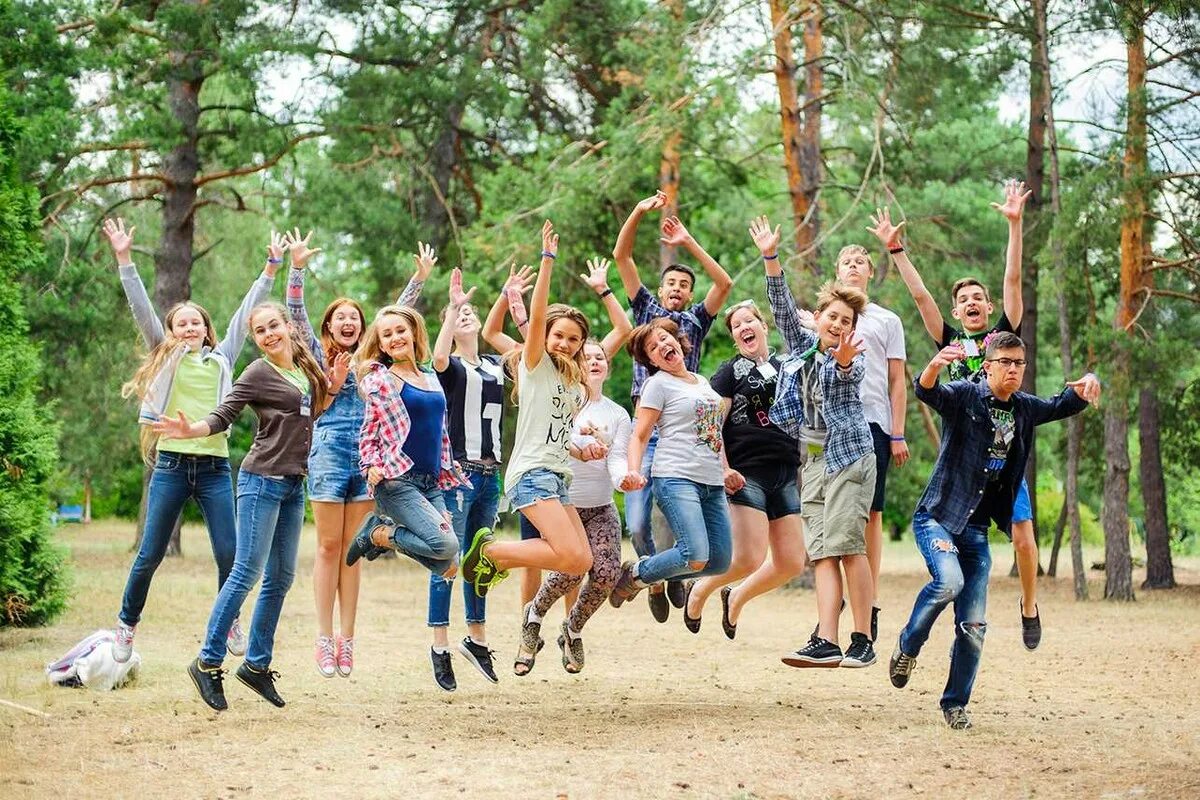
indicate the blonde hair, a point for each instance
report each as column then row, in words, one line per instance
column 833, row 291
column 369, row 351
column 302, row 357
column 852, row 249
column 571, row 370
column 153, row 363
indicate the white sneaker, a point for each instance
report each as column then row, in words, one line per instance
column 235, row 642
column 122, row 648
column 326, row 656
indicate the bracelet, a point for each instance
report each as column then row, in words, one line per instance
column 771, row 258
column 897, row 438
column 274, row 260
column 894, row 250
column 548, row 254
column 605, row 293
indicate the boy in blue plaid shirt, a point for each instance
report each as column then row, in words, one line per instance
column 817, row 401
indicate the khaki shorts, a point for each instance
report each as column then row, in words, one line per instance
column 835, row 507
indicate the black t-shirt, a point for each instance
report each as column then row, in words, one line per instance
column 754, row 444
column 1005, row 430
column 970, row 368
column 474, row 406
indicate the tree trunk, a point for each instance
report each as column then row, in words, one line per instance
column 811, row 167
column 1056, row 541
column 789, row 112
column 668, row 183
column 1160, row 574
column 87, row 498
column 435, row 195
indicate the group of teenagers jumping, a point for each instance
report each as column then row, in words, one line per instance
column 397, row 443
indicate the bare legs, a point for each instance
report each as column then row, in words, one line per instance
column 1025, row 546
column 785, row 561
column 562, row 547
column 874, row 536
column 829, row 593
column 337, row 523
column 749, row 551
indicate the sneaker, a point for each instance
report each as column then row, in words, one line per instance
column 209, row 682
column 676, row 592
column 443, row 670
column 1031, row 628
column 235, row 642
column 345, row 655
column 690, row 622
column 660, row 609
column 122, row 647
column 476, row 568
column 326, row 656
column 901, row 666
column 860, row 653
column 957, row 718
column 626, row 588
column 363, row 547
column 729, row 627
column 262, row 681
column 874, row 623
column 817, row 653
column 479, row 656
column 572, row 650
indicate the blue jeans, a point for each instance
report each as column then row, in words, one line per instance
column 699, row 515
column 638, row 505
column 270, row 515
column 471, row 508
column 177, row 477
column 413, row 507
column 960, row 566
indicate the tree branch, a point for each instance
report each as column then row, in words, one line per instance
column 253, row 168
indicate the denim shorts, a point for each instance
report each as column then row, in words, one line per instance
column 333, row 475
column 1022, row 511
column 775, row 494
column 536, row 485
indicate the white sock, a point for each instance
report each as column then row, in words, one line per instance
column 534, row 616
column 440, row 649
column 572, row 635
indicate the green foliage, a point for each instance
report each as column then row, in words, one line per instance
column 33, row 578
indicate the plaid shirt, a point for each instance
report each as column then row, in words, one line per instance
column 385, row 429
column 693, row 323
column 960, row 476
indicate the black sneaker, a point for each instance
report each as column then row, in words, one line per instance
column 676, row 593
column 729, row 628
column 901, row 666
column 957, row 718
column 860, row 653
column 362, row 546
column 660, row 609
column 209, row 683
column 531, row 632
column 817, row 653
column 690, row 622
column 1031, row 628
column 262, row 682
column 874, row 623
column 443, row 670
column 572, row 650
column 480, row 656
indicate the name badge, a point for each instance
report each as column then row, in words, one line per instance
column 766, row 370
column 970, row 347
column 306, row 406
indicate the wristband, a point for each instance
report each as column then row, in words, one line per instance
column 771, row 258
column 897, row 438
column 605, row 293
column 895, row 250
column 274, row 260
column 548, row 254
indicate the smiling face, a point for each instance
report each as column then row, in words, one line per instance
column 854, row 267
column 565, row 337
column 396, row 338
column 675, row 290
column 345, row 326
column 272, row 334
column 749, row 332
column 972, row 308
column 664, row 352
column 834, row 321
column 466, row 324
column 188, row 326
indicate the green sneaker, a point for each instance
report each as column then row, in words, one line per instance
column 487, row 576
column 469, row 564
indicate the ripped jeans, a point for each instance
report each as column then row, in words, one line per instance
column 960, row 566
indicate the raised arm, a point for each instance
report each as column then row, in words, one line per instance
column 493, row 326
column 676, row 235
column 535, row 340
column 147, row 321
column 889, row 235
column 1015, row 195
column 766, row 240
column 445, row 338
column 597, row 278
column 929, row 391
column 239, row 323
column 424, row 259
column 623, row 250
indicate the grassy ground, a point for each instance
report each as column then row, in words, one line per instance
column 1106, row 708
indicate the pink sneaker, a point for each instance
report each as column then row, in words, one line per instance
column 345, row 658
column 326, row 663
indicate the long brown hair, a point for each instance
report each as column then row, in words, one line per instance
column 639, row 339
column 328, row 344
column 152, row 364
column 571, row 370
column 301, row 355
column 369, row 351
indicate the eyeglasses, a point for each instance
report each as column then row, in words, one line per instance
column 1009, row 362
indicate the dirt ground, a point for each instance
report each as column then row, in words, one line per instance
column 1107, row 707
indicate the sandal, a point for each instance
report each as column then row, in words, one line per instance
column 523, row 664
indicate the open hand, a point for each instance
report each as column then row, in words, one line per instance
column 340, row 369
column 674, row 234
column 172, row 427
column 658, row 200
column 887, row 233
column 458, row 298
column 275, row 249
column 298, row 248
column 549, row 239
column 520, row 280
column 425, row 259
column 597, row 274
column 1015, row 195
column 765, row 239
column 119, row 239
column 847, row 349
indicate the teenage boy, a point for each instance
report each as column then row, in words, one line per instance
column 676, row 285
column 987, row 432
column 972, row 307
column 883, row 398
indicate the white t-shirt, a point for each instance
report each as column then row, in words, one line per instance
column 689, row 428
column 595, row 480
column 883, row 338
column 546, row 409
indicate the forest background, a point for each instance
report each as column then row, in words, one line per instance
column 380, row 124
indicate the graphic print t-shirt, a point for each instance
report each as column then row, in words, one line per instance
column 689, row 428
column 1005, row 430
column 475, row 399
column 755, row 444
column 970, row 368
column 546, row 410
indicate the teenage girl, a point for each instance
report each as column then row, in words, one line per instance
column 286, row 389
column 339, row 495
column 188, row 371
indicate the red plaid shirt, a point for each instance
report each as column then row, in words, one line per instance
column 385, row 429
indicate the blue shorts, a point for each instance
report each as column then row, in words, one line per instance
column 1022, row 512
column 333, row 475
column 775, row 494
column 536, row 485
